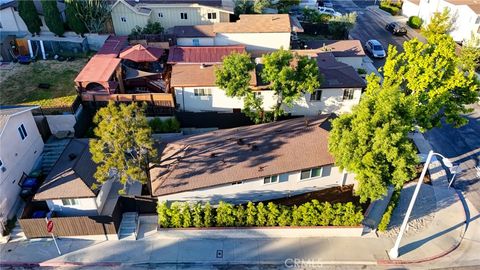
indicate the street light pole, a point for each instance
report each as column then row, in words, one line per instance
column 393, row 253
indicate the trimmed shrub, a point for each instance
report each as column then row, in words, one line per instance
column 392, row 8
column 251, row 214
column 207, row 215
column 383, row 225
column 52, row 16
column 168, row 126
column 314, row 213
column 415, row 22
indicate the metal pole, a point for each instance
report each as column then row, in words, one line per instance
column 453, row 178
column 56, row 245
column 393, row 253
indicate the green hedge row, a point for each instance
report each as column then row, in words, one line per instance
column 392, row 8
column 415, row 22
column 166, row 126
column 314, row 213
column 383, row 225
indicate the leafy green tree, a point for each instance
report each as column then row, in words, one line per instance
column 373, row 142
column 123, row 144
column 225, row 215
column 273, row 214
column 290, row 76
column 197, row 215
column 470, row 54
column 326, row 214
column 313, row 16
column 208, row 215
column 73, row 20
column 340, row 26
column 163, row 215
column 186, row 215
column 93, row 13
column 234, row 77
column 151, row 28
column 432, row 77
column 251, row 214
column 283, row 6
column 176, row 220
column 262, row 214
column 52, row 16
column 29, row 15
column 250, row 6
column 240, row 216
column 285, row 217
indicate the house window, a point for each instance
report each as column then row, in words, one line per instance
column 212, row 15
column 160, row 15
column 315, row 172
column 202, row 92
column 348, row 94
column 70, row 202
column 237, row 183
column 277, row 178
column 478, row 20
column 196, row 42
column 316, row 96
column 183, row 16
column 123, row 19
column 257, row 94
column 22, row 131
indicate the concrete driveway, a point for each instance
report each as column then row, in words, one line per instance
column 462, row 147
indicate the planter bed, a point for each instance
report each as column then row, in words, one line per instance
column 263, row 232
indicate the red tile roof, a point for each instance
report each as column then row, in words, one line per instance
column 205, row 55
column 113, row 46
column 139, row 53
column 98, row 69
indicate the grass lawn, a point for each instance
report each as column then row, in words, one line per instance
column 20, row 84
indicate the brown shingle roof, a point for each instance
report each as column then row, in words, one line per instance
column 217, row 158
column 256, row 23
column 473, row 4
column 210, row 54
column 205, row 30
column 191, row 75
column 72, row 175
column 339, row 48
column 337, row 74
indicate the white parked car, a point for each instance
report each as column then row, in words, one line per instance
column 329, row 11
column 375, row 48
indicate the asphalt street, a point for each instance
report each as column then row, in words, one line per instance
column 462, row 147
column 369, row 26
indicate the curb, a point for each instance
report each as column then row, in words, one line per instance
column 58, row 264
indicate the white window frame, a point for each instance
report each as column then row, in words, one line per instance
column 279, row 178
column 183, row 15
column 160, row 15
column 70, row 202
column 212, row 15
column 313, row 96
column 202, row 92
column 196, row 42
column 123, row 19
column 22, row 131
column 348, row 94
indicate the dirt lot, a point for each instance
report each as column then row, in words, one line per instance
column 19, row 85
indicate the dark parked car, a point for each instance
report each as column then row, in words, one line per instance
column 396, row 29
column 29, row 187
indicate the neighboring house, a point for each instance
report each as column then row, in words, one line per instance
column 193, row 82
column 259, row 33
column 349, row 52
column 20, row 148
column 465, row 14
column 127, row 14
column 67, row 188
column 252, row 163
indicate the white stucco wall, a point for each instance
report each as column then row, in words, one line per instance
column 331, row 101
column 85, row 207
column 132, row 19
column 255, row 41
column 189, row 41
column 409, row 9
column 18, row 156
column 103, row 195
column 256, row 190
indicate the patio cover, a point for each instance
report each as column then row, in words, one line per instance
column 98, row 69
column 131, row 73
column 139, row 53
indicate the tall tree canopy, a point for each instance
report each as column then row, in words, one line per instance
column 234, row 77
column 29, row 15
column 52, row 16
column 290, row 76
column 372, row 141
column 432, row 76
column 73, row 20
column 124, row 144
column 93, row 13
column 250, row 6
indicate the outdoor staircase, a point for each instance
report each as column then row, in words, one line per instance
column 51, row 152
column 129, row 226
